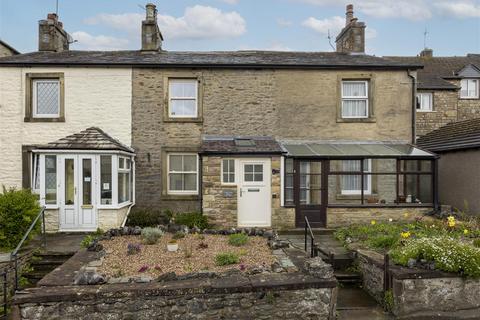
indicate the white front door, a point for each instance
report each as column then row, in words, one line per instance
column 254, row 196
column 77, row 196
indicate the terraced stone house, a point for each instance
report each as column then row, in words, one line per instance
column 249, row 138
column 448, row 89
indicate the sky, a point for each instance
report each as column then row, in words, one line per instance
column 394, row 27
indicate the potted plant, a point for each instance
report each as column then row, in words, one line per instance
column 172, row 245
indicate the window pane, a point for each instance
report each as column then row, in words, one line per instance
column 69, row 182
column 106, row 179
column 190, row 163
column 337, row 196
column 176, row 163
column 310, row 196
column 289, row 197
column 184, row 108
column 289, row 180
column 36, row 172
column 289, row 165
column 248, row 177
column 350, row 184
column 354, row 108
column 50, row 179
column 248, row 168
column 47, row 97
column 87, row 181
column 121, row 163
column 416, row 165
column 176, row 182
column 123, row 187
column 258, row 177
column 417, row 188
column 183, row 88
column 190, row 182
column 354, row 89
column 228, row 166
column 176, row 89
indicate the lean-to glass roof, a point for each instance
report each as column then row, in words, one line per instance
column 312, row 149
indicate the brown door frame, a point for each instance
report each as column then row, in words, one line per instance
column 319, row 211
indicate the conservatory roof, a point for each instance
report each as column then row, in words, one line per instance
column 354, row 149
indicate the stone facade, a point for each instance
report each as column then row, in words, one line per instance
column 283, row 104
column 260, row 297
column 5, row 51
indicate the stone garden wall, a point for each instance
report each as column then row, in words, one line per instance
column 421, row 293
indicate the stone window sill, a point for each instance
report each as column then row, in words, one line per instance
column 357, row 120
column 31, row 119
column 184, row 120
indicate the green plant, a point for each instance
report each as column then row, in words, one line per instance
column 147, row 218
column 87, row 241
column 133, row 248
column 151, row 235
column 192, row 219
column 18, row 209
column 270, row 297
column 188, row 252
column 476, row 243
column 237, row 239
column 99, row 232
column 178, row 235
column 388, row 300
column 448, row 254
column 226, row 258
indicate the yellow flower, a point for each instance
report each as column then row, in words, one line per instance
column 373, row 222
column 465, row 231
column 405, row 234
column 451, row 221
column 406, row 214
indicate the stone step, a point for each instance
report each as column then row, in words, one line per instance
column 301, row 231
column 346, row 277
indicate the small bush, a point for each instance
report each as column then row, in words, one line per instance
column 133, row 248
column 151, row 235
column 237, row 239
column 226, row 258
column 18, row 209
column 147, row 218
column 178, row 235
column 87, row 241
column 191, row 220
column 449, row 254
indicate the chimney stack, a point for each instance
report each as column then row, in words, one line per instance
column 151, row 36
column 352, row 37
column 51, row 35
column 426, row 53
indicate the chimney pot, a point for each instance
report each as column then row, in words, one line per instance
column 426, row 53
column 151, row 35
column 151, row 12
column 349, row 14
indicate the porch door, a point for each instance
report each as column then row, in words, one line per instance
column 254, row 195
column 77, row 209
column 311, row 192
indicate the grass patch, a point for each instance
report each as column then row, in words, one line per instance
column 226, row 258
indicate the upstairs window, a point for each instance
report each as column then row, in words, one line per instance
column 46, row 98
column 469, row 89
column 354, row 99
column 183, row 98
column 425, row 101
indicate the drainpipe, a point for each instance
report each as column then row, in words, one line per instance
column 200, row 187
column 414, row 106
column 126, row 216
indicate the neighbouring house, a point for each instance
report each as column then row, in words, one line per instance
column 458, row 145
column 56, row 137
column 448, row 89
column 6, row 50
column 249, row 138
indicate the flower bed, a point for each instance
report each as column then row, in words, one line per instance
column 196, row 252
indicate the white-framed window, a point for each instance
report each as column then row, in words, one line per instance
column 425, row 101
column 124, row 180
column 228, row 171
column 351, row 184
column 252, row 172
column 183, row 98
column 46, row 98
column 183, row 173
column 469, row 89
column 354, row 99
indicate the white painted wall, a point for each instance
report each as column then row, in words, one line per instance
column 100, row 97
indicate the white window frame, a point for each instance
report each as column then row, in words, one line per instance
column 170, row 97
column 368, row 190
column 34, row 99
column 234, row 172
column 187, row 192
column 420, row 102
column 468, row 80
column 42, row 181
column 353, row 98
column 124, row 169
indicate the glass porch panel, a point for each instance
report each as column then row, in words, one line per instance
column 384, row 165
column 69, row 181
column 336, row 194
column 87, row 181
column 310, row 196
column 106, row 179
column 416, row 166
column 383, row 189
column 417, row 188
column 50, row 179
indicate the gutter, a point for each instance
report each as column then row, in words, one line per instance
column 414, row 106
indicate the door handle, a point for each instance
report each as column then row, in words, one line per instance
column 75, row 190
column 241, row 192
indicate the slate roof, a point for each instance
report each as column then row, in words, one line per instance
column 230, row 145
column 437, row 69
column 454, row 136
column 259, row 59
column 89, row 139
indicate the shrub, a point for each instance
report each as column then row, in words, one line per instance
column 191, row 220
column 237, row 239
column 87, row 241
column 449, row 254
column 147, row 218
column 18, row 209
column 133, row 248
column 226, row 258
column 178, row 235
column 151, row 235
